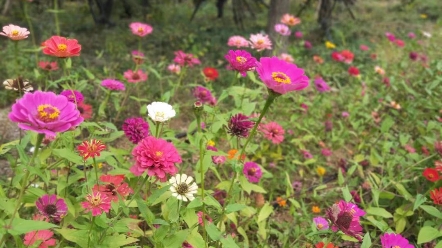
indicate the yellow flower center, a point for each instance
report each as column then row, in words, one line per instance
column 95, row 200
column 47, row 113
column 14, row 33
column 241, row 59
column 140, row 30
column 396, row 246
column 260, row 42
column 62, row 47
column 159, row 154
column 319, row 226
column 281, row 77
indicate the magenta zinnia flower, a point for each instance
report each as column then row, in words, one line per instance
column 240, row 61
column 204, row 95
column 320, row 223
column 136, row 129
column 280, row 76
column 237, row 41
column 43, row 237
column 73, row 96
column 272, row 131
column 321, row 85
column 240, row 125
column 112, row 84
column 97, row 203
column 45, row 112
column 392, row 240
column 51, row 207
column 15, row 32
column 184, row 59
column 344, row 216
column 140, row 29
column 157, row 157
column 260, row 42
column 135, row 76
column 252, row 172
column 282, row 29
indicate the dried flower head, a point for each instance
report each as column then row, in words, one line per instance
column 18, row 84
column 239, row 125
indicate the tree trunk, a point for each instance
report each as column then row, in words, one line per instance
column 325, row 16
column 6, row 7
column 277, row 9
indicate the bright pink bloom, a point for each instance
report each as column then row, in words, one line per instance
column 240, row 61
column 14, row 32
column 135, row 76
column 390, row 36
column 61, row 47
column 260, row 42
column 113, row 85
column 345, row 216
column 216, row 159
column 136, row 129
column 73, row 96
column 138, row 57
column 184, row 59
column 326, row 152
column 43, row 236
column 353, row 71
column 97, row 203
column 282, row 29
column 290, row 20
column 45, row 112
column 200, row 218
column 51, row 207
column 308, row 44
column 321, row 85
column 411, row 35
column 298, row 34
column 174, row 68
column 337, row 56
column 157, row 157
column 140, row 29
column 204, row 95
column 286, row 57
column 321, row 223
column 399, row 43
column 392, row 240
column 345, row 114
column 252, row 172
column 272, row 131
column 364, row 48
column 114, row 187
column 90, row 148
column 237, row 41
column 306, row 154
column 280, row 76
column 48, row 66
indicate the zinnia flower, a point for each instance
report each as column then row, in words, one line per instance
column 136, row 129
column 322, row 245
column 48, row 66
column 216, row 159
column 348, row 56
column 411, row 35
column 364, row 48
column 431, row 174
column 326, row 152
column 344, row 216
column 272, row 131
column 85, row 110
column 320, row 223
column 174, row 68
column 240, row 61
column 138, row 57
column 282, row 29
column 182, row 187
column 390, row 36
column 61, row 47
column 298, row 34
column 399, row 43
column 114, row 187
column 91, row 148
column 51, row 207
column 160, row 111
column 308, row 44
column 112, row 84
column 204, row 95
column 392, row 240
column 436, row 196
column 14, row 32
column 353, row 71
column 97, row 203
column 438, row 147
column 18, row 84
column 73, row 96
column 286, row 57
column 140, row 29
column 290, row 20
column 156, row 156
column 260, row 42
column 330, row 45
column 45, row 112
column 280, row 76
column 200, row 218
column 239, row 125
column 43, row 237
column 321, row 85
column 210, row 73
column 135, row 76
column 252, row 172
column 237, row 41
column 184, row 59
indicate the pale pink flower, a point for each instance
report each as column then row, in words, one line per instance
column 140, row 29
column 237, row 41
column 364, row 48
column 260, row 42
column 282, row 29
column 286, row 57
column 273, row 132
column 290, row 20
column 14, row 32
column 185, row 59
column 135, row 76
column 174, row 68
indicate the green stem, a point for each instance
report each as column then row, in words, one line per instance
column 96, row 170
column 128, row 91
column 157, row 129
column 90, row 231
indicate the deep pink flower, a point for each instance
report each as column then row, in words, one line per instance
column 392, row 240
column 97, row 203
column 298, row 34
column 345, row 216
column 48, row 66
column 185, row 59
column 411, row 35
column 240, row 125
column 204, row 95
column 174, row 68
column 390, row 36
column 353, row 71
column 282, row 29
column 112, row 84
column 73, row 96
column 364, row 48
column 260, row 42
column 42, row 236
column 321, row 85
column 157, row 157
column 272, row 131
column 138, row 57
column 200, row 218
column 308, row 44
column 321, row 223
column 45, row 112
column 413, row 56
column 306, row 154
column 237, row 41
column 135, row 76
column 61, row 47
column 14, row 32
column 51, row 207
column 140, row 29
column 114, row 187
column 136, row 129
column 280, row 76
column 252, row 172
column 355, row 195
column 240, row 61
column 326, row 152
column 217, row 159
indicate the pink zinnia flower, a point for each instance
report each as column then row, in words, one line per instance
column 174, row 68
column 344, row 216
column 204, row 95
column 73, row 96
column 364, row 48
column 114, row 187
column 290, row 20
column 85, row 110
column 157, row 157
column 306, row 154
column 140, row 29
column 308, row 44
column 135, row 76
column 298, row 34
column 200, row 218
column 51, row 207
column 45, row 112
column 216, row 159
column 411, row 35
column 390, row 36
column 321, row 85
column 389, row 240
column 136, row 129
column 184, row 59
column 97, row 203
column 280, row 76
column 240, row 61
column 237, row 41
column 61, row 47
column 326, row 152
column 138, row 57
column 282, row 29
column 399, row 43
column 90, row 148
column 48, row 66
column 260, row 42
column 286, row 57
column 252, row 172
column 272, row 131
column 321, row 223
column 239, row 125
column 42, row 236
column 14, row 32
column 112, row 84
column 345, row 114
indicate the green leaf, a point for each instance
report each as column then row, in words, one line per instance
column 366, row 242
column 156, row 194
column 400, row 225
column 4, row 148
column 346, row 193
column 419, row 200
column 213, row 232
column 69, row 155
column 265, row 212
column 195, row 203
column 427, row 234
column 432, row 210
column 211, row 201
column 118, row 240
column 196, row 240
column 21, row 226
column 176, row 239
column 234, row 207
column 379, row 212
column 439, row 245
column 387, row 124
column 80, row 237
column 229, row 242
column 145, row 211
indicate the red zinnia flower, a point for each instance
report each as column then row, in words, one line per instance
column 353, row 71
column 431, row 174
column 114, row 188
column 61, row 47
column 48, row 66
column 322, row 245
column 91, row 149
column 97, row 203
column 210, row 73
column 436, row 196
column 85, row 110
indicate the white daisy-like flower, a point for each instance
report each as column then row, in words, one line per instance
column 160, row 111
column 426, row 34
column 182, row 187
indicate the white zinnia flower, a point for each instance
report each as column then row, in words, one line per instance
column 426, row 34
column 160, row 111
column 182, row 187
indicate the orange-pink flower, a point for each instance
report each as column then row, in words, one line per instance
column 61, row 47
column 290, row 20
